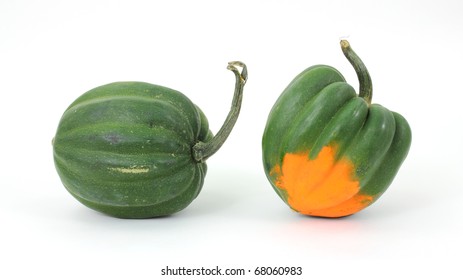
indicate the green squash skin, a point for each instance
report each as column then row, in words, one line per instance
column 125, row 149
column 317, row 109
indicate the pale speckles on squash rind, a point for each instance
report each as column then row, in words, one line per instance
column 132, row 169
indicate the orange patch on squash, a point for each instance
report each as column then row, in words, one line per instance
column 322, row 186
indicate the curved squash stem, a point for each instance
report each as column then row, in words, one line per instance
column 366, row 86
column 202, row 151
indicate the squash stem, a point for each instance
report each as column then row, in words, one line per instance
column 202, row 150
column 366, row 86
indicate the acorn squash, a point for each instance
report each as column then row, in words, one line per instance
column 138, row 150
column 327, row 151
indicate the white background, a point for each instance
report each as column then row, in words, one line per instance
column 53, row 51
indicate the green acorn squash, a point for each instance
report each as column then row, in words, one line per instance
column 138, row 150
column 327, row 151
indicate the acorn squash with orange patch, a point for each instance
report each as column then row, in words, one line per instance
column 327, row 151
